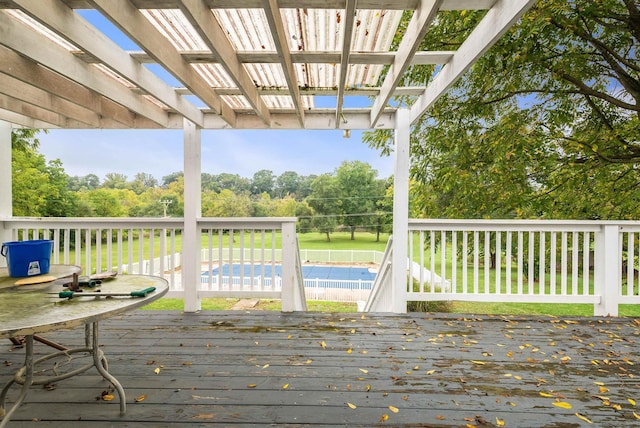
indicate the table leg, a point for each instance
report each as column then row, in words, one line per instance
column 25, row 376
column 100, row 362
column 28, row 380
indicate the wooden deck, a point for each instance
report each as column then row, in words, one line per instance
column 266, row 368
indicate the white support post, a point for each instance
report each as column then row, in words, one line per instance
column 192, row 212
column 400, row 211
column 6, row 192
column 288, row 267
column 607, row 270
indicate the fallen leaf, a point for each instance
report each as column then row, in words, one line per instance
column 251, row 385
column 631, row 401
column 140, row 398
column 562, row 404
column 481, row 363
column 205, row 416
column 351, row 406
column 285, row 386
column 108, row 397
column 635, row 415
column 430, row 372
column 157, row 370
column 394, row 409
column 544, row 394
column 499, row 422
column 584, row 418
column 384, row 418
column 364, row 370
column 323, row 344
column 265, row 366
column 440, row 418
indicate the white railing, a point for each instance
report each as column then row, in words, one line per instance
column 154, row 246
column 526, row 261
column 593, row 262
column 131, row 245
column 381, row 296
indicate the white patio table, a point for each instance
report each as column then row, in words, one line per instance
column 29, row 310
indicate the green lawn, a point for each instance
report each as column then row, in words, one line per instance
column 367, row 241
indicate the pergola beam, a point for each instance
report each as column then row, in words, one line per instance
column 415, row 32
column 42, row 50
column 350, row 12
column 493, row 26
column 201, row 18
column 71, row 26
column 274, row 18
column 132, row 22
column 301, row 57
column 33, row 74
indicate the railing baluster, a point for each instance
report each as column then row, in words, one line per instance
column 630, row 262
column 487, row 262
column 454, row 262
column 563, row 264
column 531, row 263
column 432, row 259
column 552, row 263
column 575, row 245
column 508, row 262
column 498, row 268
column 421, row 250
column 443, row 259
column 542, row 269
column 476, row 255
column 465, row 271
column 520, row 262
column 586, row 256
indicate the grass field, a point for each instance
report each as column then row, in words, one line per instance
column 367, row 241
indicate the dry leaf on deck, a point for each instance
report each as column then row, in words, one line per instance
column 584, row 418
column 562, row 404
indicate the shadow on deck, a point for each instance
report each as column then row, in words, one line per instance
column 268, row 368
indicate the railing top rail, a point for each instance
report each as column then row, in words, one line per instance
column 245, row 222
column 95, row 222
column 517, row 225
column 136, row 222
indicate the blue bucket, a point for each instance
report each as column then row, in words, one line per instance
column 27, row 258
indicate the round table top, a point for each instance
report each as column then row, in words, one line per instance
column 55, row 272
column 30, row 309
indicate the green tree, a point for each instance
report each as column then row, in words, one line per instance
column 544, row 121
column 88, row 182
column 287, row 183
column 358, row 192
column 114, row 180
column 39, row 188
column 226, row 204
column 326, row 204
column 263, row 182
column 141, row 182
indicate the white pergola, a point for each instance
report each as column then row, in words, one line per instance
column 241, row 64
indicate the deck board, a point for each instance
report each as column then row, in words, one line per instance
column 252, row 368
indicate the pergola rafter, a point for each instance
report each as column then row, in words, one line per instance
column 239, row 63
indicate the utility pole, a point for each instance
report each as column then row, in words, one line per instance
column 165, row 203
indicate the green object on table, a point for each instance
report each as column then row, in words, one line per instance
column 139, row 293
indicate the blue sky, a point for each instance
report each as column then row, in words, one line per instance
column 160, row 152
column 242, row 152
